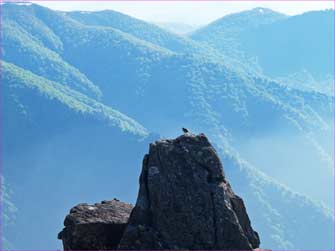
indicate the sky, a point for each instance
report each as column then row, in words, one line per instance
column 187, row 12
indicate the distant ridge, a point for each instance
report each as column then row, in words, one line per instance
column 268, row 38
column 81, row 91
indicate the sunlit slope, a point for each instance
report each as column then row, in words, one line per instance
column 21, row 84
column 25, row 43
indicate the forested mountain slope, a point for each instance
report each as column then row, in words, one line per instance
column 83, row 93
column 296, row 47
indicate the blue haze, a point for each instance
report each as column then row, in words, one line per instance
column 84, row 93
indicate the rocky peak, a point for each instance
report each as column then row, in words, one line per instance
column 184, row 202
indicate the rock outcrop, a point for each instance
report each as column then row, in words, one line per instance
column 95, row 227
column 184, row 202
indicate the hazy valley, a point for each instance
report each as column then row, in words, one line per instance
column 84, row 92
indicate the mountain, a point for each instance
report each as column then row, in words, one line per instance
column 233, row 25
column 28, row 51
column 268, row 38
column 80, row 89
column 135, row 27
column 178, row 28
column 225, row 33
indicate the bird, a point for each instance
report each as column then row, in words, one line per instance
column 185, row 130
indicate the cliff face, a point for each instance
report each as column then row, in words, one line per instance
column 184, row 202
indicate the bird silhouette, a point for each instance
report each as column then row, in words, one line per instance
column 185, row 130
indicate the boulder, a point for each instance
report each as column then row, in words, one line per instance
column 95, row 227
column 185, row 201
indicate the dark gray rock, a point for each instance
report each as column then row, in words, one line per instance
column 185, row 201
column 95, row 227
